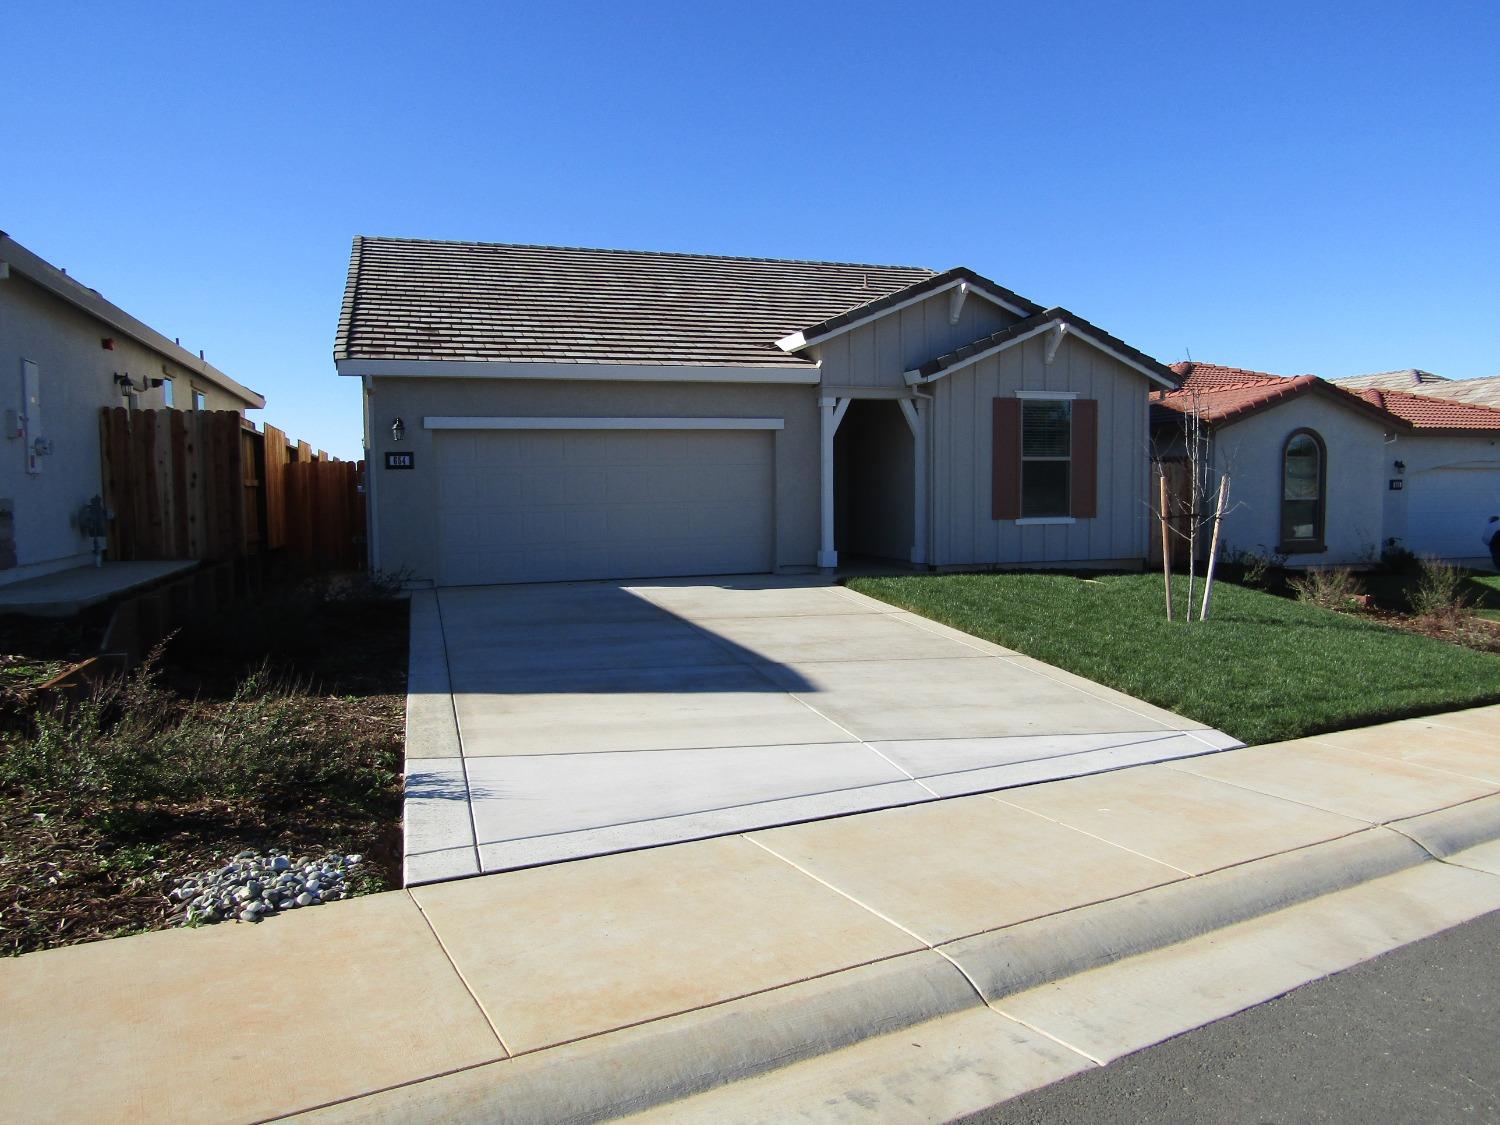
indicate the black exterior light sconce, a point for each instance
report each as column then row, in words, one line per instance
column 127, row 384
column 1400, row 467
column 398, row 430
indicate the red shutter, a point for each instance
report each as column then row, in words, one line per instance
column 1005, row 491
column 1085, row 474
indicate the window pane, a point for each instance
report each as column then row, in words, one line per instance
column 166, row 392
column 1301, row 477
column 1044, row 488
column 1299, row 519
column 1045, row 428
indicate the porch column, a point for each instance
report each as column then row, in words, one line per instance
column 833, row 410
column 915, row 412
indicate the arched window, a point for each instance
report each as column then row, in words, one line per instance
column 1304, row 484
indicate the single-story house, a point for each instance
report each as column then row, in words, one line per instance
column 66, row 352
column 1327, row 475
column 538, row 413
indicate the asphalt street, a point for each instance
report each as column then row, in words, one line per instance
column 1411, row 1037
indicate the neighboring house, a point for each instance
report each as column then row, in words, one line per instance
column 65, row 352
column 1449, row 466
column 542, row 413
column 1326, row 475
column 1479, row 392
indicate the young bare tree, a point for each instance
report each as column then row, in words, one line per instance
column 1185, row 515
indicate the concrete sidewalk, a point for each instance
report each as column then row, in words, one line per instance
column 910, row 964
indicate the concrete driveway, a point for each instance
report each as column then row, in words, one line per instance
column 553, row 722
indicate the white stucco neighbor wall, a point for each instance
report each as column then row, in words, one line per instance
column 404, row 502
column 964, row 534
column 76, row 377
column 1358, row 458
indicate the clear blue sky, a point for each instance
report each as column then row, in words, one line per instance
column 1291, row 187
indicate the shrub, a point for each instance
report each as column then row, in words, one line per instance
column 1331, row 588
column 132, row 740
column 1398, row 560
column 1439, row 591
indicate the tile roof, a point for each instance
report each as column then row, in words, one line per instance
column 1409, row 379
column 430, row 300
column 1209, row 376
column 1483, row 392
column 1427, row 413
column 1021, row 327
column 1221, row 395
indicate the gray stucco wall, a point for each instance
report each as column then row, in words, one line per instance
column 880, row 353
column 404, row 502
column 76, row 379
column 962, row 460
column 1358, row 459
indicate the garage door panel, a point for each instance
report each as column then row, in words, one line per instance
column 1446, row 509
column 603, row 504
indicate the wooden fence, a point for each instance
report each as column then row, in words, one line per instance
column 208, row 485
column 1179, row 508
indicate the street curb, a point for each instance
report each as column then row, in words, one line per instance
column 638, row 1068
column 1449, row 831
column 634, row 1069
column 1002, row 962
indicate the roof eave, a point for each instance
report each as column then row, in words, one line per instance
column 804, row 374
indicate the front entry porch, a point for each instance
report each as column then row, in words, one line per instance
column 874, row 478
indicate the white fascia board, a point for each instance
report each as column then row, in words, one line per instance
column 797, row 341
column 914, row 378
column 46, row 276
column 587, row 372
column 603, row 423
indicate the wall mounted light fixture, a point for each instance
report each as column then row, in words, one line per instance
column 1400, row 466
column 398, row 430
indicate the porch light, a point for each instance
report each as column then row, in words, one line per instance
column 1400, row 467
column 398, row 430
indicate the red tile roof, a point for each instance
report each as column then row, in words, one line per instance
column 1211, row 376
column 1427, row 413
column 1219, row 395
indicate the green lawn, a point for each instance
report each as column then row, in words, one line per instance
column 1263, row 668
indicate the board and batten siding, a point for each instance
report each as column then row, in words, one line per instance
column 965, row 533
column 880, row 353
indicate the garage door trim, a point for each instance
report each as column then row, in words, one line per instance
column 477, row 423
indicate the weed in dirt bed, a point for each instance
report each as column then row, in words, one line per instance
column 1441, row 591
column 131, row 741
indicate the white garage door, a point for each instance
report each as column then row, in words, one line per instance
column 1446, row 510
column 559, row 505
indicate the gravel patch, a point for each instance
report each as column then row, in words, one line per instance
column 254, row 885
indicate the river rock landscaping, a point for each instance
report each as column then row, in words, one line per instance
column 254, row 886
